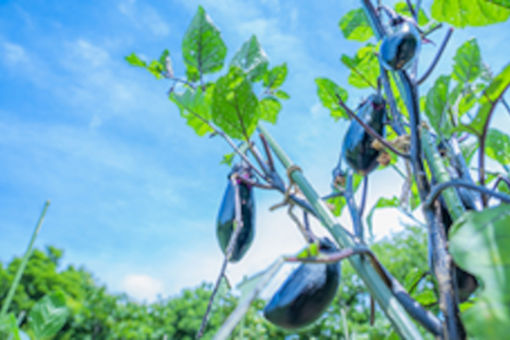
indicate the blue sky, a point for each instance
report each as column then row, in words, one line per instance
column 134, row 192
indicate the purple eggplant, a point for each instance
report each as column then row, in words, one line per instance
column 401, row 46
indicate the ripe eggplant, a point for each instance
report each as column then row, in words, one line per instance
column 306, row 293
column 401, row 46
column 357, row 145
column 227, row 215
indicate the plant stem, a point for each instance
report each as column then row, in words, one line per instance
column 437, row 57
column 24, row 261
column 374, row 281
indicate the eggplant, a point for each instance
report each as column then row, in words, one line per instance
column 400, row 47
column 227, row 215
column 306, row 293
column 357, row 147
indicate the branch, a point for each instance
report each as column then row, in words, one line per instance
column 369, row 130
column 357, row 224
column 437, row 57
column 397, row 123
column 363, row 195
column 268, row 152
column 238, row 226
column 411, row 9
column 437, row 189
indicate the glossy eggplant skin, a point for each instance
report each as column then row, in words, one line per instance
column 399, row 48
column 357, row 147
column 226, row 217
column 305, row 295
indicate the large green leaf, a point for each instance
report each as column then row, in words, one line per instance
column 402, row 8
column 468, row 64
column 234, row 105
column 269, row 108
column 498, row 146
column 328, row 91
column 275, row 77
column 490, row 96
column 364, row 67
column 436, row 106
column 480, row 244
column 203, row 49
column 9, row 327
column 355, row 26
column 194, row 106
column 504, row 3
column 48, row 315
column 461, row 13
column 251, row 58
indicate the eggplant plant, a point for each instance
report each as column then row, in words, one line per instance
column 457, row 209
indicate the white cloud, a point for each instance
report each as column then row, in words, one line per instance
column 142, row 287
column 144, row 16
column 14, row 54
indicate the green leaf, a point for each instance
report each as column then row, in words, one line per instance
column 48, row 315
column 468, row 64
column 462, row 13
column 234, row 105
column 402, row 8
column 251, row 58
column 425, row 297
column 491, row 95
column 228, row 158
column 497, row 146
column 436, row 106
column 194, row 106
column 156, row 68
column 203, row 50
column 364, row 67
column 382, row 202
column 328, row 93
column 275, row 77
column 134, row 60
column 281, row 94
column 9, row 327
column 468, row 151
column 355, row 26
column 269, row 108
column 503, row 3
column 311, row 251
column 479, row 244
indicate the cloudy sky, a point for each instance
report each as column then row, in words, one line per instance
column 134, row 192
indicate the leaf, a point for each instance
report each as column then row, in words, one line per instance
column 328, row 93
column 9, row 327
column 462, row 13
column 497, row 146
column 203, row 50
column 468, row 64
column 503, row 3
column 479, row 244
column 436, row 106
column 48, row 315
column 269, row 108
column 234, row 105
column 134, row 60
column 228, row 158
column 355, row 26
column 468, row 151
column 281, row 94
column 339, row 202
column 195, row 108
column 489, row 98
column 382, row 202
column 311, row 251
column 251, row 58
column 364, row 67
column 402, row 8
column 275, row 77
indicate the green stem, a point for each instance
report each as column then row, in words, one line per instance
column 365, row 269
column 24, row 262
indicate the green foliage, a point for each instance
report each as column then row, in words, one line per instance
column 364, row 67
column 269, row 108
column 194, row 106
column 487, row 233
column 468, row 63
column 234, row 105
column 354, row 25
column 275, row 77
column 8, row 327
column 251, row 58
column 462, row 13
column 402, row 8
column 498, row 146
column 158, row 68
column 48, row 315
column 328, row 93
column 437, row 106
column 203, row 50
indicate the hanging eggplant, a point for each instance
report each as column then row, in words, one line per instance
column 227, row 215
column 306, row 293
column 357, row 147
column 401, row 46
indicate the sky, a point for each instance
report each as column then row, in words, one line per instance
column 134, row 192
